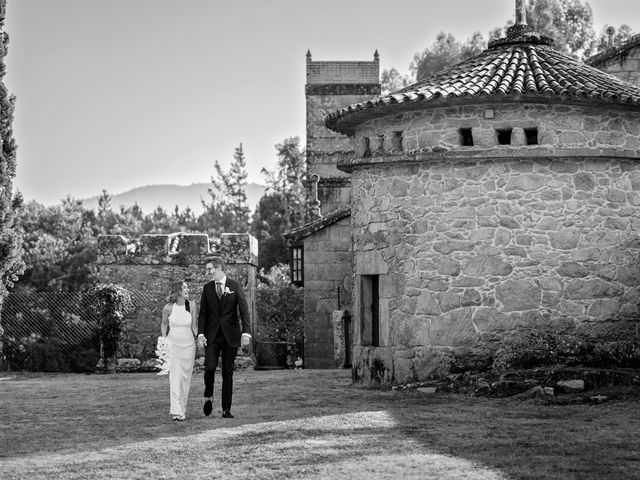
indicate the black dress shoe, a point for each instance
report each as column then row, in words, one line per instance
column 227, row 414
column 207, row 408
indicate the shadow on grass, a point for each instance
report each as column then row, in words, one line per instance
column 302, row 424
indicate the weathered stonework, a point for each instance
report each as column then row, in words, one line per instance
column 326, row 239
column 578, row 130
column 474, row 242
column 331, row 85
column 327, row 285
column 623, row 61
column 148, row 266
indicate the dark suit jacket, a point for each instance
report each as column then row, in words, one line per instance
column 223, row 314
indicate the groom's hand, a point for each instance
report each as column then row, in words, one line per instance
column 202, row 341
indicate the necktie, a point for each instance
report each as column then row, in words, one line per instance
column 219, row 290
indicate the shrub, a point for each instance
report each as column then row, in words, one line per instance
column 526, row 349
column 111, row 303
column 530, row 349
column 280, row 308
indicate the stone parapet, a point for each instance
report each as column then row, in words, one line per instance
column 177, row 249
column 150, row 265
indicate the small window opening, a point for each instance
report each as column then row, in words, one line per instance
column 466, row 137
column 297, row 265
column 370, row 310
column 532, row 136
column 397, row 141
column 367, row 150
column 504, row 136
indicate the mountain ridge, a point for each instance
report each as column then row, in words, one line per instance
column 167, row 196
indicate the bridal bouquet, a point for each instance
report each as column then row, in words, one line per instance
column 162, row 352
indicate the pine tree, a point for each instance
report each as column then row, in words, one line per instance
column 11, row 264
column 227, row 209
column 283, row 205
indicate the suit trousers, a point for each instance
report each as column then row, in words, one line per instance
column 228, row 358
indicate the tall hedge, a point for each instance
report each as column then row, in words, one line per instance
column 11, row 264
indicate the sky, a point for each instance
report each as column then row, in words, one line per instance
column 119, row 94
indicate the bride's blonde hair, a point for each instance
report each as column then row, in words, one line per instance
column 175, row 290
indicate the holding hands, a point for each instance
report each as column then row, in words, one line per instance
column 202, row 341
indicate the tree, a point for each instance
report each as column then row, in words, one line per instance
column 227, row 209
column 184, row 220
column 110, row 303
column 280, row 306
column 106, row 218
column 445, row 52
column 159, row 221
column 568, row 22
column 268, row 226
column 234, row 190
column 283, row 206
column 474, row 45
column 59, row 245
column 392, row 81
column 620, row 36
column 11, row 264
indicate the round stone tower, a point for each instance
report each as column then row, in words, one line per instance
column 501, row 194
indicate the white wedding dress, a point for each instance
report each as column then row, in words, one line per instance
column 182, row 351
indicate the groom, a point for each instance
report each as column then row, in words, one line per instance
column 219, row 331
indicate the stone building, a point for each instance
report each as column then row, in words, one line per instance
column 321, row 249
column 147, row 267
column 622, row 61
column 500, row 194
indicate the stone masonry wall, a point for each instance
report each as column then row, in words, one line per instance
column 470, row 251
column 327, row 267
column 625, row 66
column 148, row 266
column 330, row 86
column 337, row 72
column 576, row 129
column 472, row 242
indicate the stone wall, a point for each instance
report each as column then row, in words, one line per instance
column 623, row 63
column 343, row 72
column 469, row 251
column 332, row 85
column 470, row 243
column 559, row 129
column 148, row 266
column 327, row 275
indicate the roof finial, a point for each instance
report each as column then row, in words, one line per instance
column 376, row 56
column 610, row 32
column 520, row 32
column 308, row 55
column 521, row 13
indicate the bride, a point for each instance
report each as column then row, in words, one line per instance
column 182, row 322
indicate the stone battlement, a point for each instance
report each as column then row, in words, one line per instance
column 177, row 249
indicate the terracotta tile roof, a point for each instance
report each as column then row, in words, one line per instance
column 523, row 66
column 297, row 234
column 614, row 52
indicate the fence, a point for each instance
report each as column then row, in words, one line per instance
column 52, row 331
column 324, row 345
column 56, row 332
column 48, row 332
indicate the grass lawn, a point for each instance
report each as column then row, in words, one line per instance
column 308, row 424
